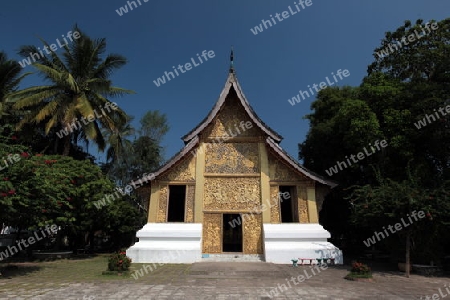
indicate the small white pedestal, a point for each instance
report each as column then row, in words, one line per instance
column 283, row 242
column 167, row 243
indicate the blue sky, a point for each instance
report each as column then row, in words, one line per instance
column 272, row 66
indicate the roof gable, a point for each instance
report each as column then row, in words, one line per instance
column 275, row 148
column 232, row 85
column 233, row 92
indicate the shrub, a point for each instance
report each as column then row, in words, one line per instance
column 360, row 268
column 119, row 261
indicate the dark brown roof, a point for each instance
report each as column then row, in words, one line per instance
column 177, row 157
column 232, row 82
column 273, row 139
column 297, row 166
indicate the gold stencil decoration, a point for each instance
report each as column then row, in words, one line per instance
column 302, row 203
column 275, row 205
column 281, row 172
column 231, row 194
column 252, row 234
column 162, row 205
column 212, row 233
column 232, row 120
column 182, row 171
column 232, row 158
column 190, row 196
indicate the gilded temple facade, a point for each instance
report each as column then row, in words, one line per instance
column 233, row 190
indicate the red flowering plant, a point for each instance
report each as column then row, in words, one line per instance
column 50, row 189
column 422, row 208
column 11, row 162
column 119, row 261
column 39, row 190
column 359, row 270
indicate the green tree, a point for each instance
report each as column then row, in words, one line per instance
column 154, row 125
column 38, row 190
column 120, row 152
column 119, row 141
column 121, row 221
column 147, row 156
column 10, row 78
column 147, row 149
column 128, row 160
column 79, row 84
column 400, row 89
column 347, row 124
column 49, row 189
column 383, row 206
column 424, row 59
column 422, row 69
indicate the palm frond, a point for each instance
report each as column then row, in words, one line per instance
column 80, row 85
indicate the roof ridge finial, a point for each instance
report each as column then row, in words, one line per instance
column 231, row 60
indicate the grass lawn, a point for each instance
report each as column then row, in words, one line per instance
column 30, row 275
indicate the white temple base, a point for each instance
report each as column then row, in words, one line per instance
column 283, row 242
column 167, row 243
column 181, row 243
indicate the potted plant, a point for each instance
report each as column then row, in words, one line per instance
column 118, row 263
column 359, row 272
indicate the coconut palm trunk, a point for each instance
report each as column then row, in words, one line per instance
column 67, row 145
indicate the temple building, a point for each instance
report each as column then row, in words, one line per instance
column 232, row 191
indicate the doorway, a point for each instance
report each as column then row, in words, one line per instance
column 232, row 233
column 288, row 204
column 177, row 196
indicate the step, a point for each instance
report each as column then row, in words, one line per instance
column 233, row 257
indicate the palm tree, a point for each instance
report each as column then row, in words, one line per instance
column 118, row 141
column 120, row 150
column 79, row 86
column 9, row 81
column 154, row 125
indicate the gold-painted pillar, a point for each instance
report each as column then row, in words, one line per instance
column 199, row 183
column 265, row 181
column 275, row 212
column 154, row 199
column 302, row 197
column 312, row 205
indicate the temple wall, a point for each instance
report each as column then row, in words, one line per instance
column 232, row 121
column 232, row 185
column 232, row 158
column 232, row 181
column 282, row 175
column 232, row 171
column 223, row 194
column 182, row 173
column 212, row 233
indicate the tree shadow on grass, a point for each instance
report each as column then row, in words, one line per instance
column 12, row 270
column 82, row 256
